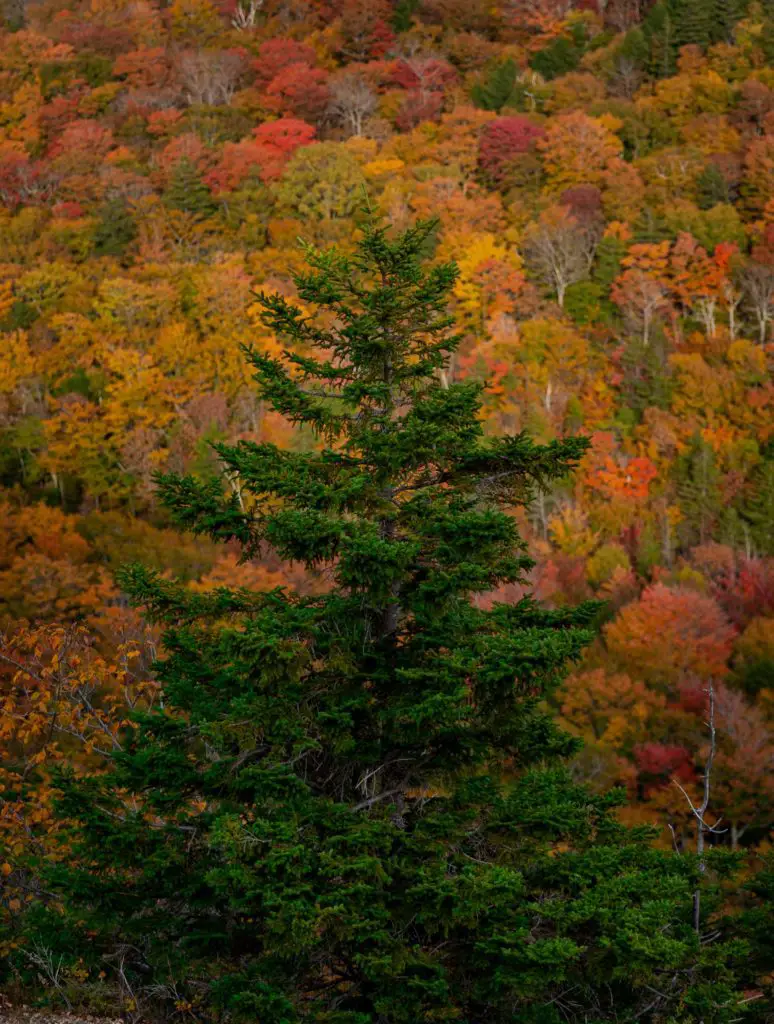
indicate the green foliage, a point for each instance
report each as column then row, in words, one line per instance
column 497, row 89
column 562, row 55
column 57, row 77
column 351, row 808
column 583, row 302
column 80, row 383
column 758, row 509
column 634, row 48
column 766, row 38
column 659, row 30
column 711, row 187
column 755, row 924
column 646, row 381
column 651, row 227
column 721, row 223
column 323, row 182
column 403, row 14
column 115, row 229
column 607, row 260
column 20, row 447
column 95, row 68
column 216, row 125
column 187, row 191
column 698, row 482
column 247, row 210
column 20, row 316
column 692, row 21
column 116, row 541
column 725, row 15
column 605, row 560
column 672, row 24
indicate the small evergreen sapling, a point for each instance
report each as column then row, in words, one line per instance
column 352, row 807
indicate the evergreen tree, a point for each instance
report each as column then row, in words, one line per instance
column 651, row 227
column 692, row 21
column 351, row 808
column 633, row 52
column 659, row 30
column 607, row 260
column 725, row 15
column 115, row 230
column 188, row 192
column 646, row 380
column 403, row 15
column 758, row 510
column 699, row 491
column 634, row 47
column 766, row 37
column 497, row 88
column 711, row 188
column 558, row 58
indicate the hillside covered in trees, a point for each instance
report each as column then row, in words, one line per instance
column 602, row 174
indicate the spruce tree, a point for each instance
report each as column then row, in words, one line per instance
column 115, row 230
column 403, row 15
column 352, row 807
column 187, row 191
column 766, row 37
column 758, row 509
column 651, row 227
column 692, row 21
column 699, row 491
column 725, row 15
column 659, row 30
column 711, row 188
column 497, row 88
column 561, row 56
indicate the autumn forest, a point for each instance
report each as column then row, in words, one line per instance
column 387, row 510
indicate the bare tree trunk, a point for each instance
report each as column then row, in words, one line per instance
column 700, row 812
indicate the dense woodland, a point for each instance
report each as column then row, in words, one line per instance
column 602, row 174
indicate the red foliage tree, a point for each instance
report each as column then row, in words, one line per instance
column 660, row 761
column 502, row 141
column 68, row 210
column 692, row 697
column 182, row 147
column 747, row 590
column 82, row 137
column 276, row 55
column 284, row 136
column 365, row 29
column 299, row 91
column 271, row 147
column 147, row 68
column 57, row 114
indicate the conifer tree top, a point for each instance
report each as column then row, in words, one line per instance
column 368, row 378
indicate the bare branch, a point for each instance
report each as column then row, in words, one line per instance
column 699, row 812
